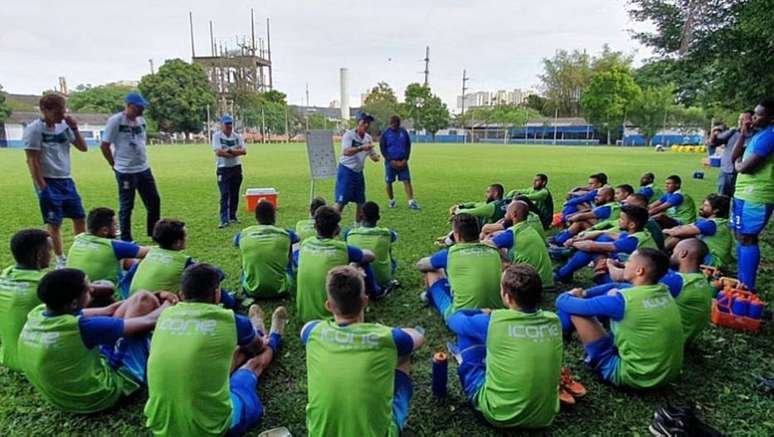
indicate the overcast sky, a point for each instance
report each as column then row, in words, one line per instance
column 499, row 42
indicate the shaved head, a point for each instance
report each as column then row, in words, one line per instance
column 691, row 251
column 518, row 211
column 605, row 195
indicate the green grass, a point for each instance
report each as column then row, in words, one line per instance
column 717, row 371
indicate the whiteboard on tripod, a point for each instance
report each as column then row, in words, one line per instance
column 319, row 150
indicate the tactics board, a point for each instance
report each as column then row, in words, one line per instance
column 319, row 149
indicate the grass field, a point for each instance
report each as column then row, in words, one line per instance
column 717, row 373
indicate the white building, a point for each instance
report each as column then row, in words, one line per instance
column 91, row 125
column 499, row 97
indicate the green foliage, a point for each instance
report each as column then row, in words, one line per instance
column 268, row 109
column 179, row 95
column 107, row 98
column 605, row 100
column 649, row 110
column 537, row 103
column 425, row 108
column 5, row 108
column 414, row 99
column 563, row 77
column 382, row 104
column 507, row 115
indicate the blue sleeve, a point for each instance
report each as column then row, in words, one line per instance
column 393, row 235
column 475, row 326
column 293, row 236
column 674, row 282
column 408, row 144
column 602, row 212
column 403, row 342
column 764, row 146
column 440, row 259
column 237, row 237
column 606, row 305
column 626, row 244
column 383, row 146
column 664, row 198
column 646, row 191
column 355, row 254
column 245, row 330
column 674, row 199
column 307, row 330
column 504, row 240
column 227, row 300
column 124, row 249
column 100, row 330
column 706, row 227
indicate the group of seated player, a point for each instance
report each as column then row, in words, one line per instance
column 173, row 328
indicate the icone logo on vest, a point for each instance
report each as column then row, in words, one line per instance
column 656, row 302
column 343, row 338
column 534, row 333
column 177, row 326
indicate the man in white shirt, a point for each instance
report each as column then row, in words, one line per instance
column 126, row 132
column 47, row 145
column 356, row 146
column 228, row 146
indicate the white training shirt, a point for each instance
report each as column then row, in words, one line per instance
column 128, row 140
column 220, row 140
column 351, row 139
column 54, row 145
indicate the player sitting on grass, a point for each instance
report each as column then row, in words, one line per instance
column 305, row 228
column 99, row 254
column 316, row 256
column 379, row 241
column 533, row 219
column 598, row 245
column 466, row 275
column 192, row 386
column 490, row 342
column 358, row 373
column 490, row 211
column 580, row 198
column 31, row 249
column 713, row 228
column 606, row 209
column 645, row 346
column 639, row 199
column 647, row 189
column 164, row 264
column 59, row 346
column 673, row 208
column 622, row 192
column 266, row 252
column 523, row 244
column 540, row 197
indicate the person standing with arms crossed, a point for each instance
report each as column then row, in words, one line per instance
column 47, row 143
column 228, row 146
column 395, row 145
column 356, row 146
column 127, row 133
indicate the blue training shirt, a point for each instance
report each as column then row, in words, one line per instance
column 583, row 198
column 706, row 227
column 646, row 191
column 602, row 212
column 674, row 199
column 403, row 342
column 604, row 305
column 124, row 249
column 395, row 144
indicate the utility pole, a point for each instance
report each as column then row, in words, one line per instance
column 465, row 79
column 427, row 66
column 268, row 52
column 252, row 31
column 263, row 126
column 307, row 95
column 556, row 120
column 150, row 61
column 212, row 41
column 190, row 24
column 287, row 127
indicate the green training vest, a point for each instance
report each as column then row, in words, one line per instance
column 527, row 394
column 161, row 269
column 721, row 245
column 94, row 256
column 474, row 276
column 612, row 221
column 657, row 192
column 18, row 296
column 756, row 187
column 65, row 373
column 649, row 338
column 644, row 239
column 379, row 241
column 305, row 229
column 316, row 258
column 529, row 248
column 265, row 256
column 695, row 303
column 685, row 212
column 534, row 222
column 351, row 378
column 655, row 232
column 188, row 371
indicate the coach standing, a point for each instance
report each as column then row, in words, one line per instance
column 395, row 145
column 356, row 146
column 228, row 146
column 126, row 132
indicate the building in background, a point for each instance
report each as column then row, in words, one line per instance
column 479, row 99
column 91, row 125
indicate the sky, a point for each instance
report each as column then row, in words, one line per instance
column 499, row 43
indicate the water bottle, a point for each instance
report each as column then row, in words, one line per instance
column 723, row 301
column 755, row 309
column 740, row 305
column 440, row 374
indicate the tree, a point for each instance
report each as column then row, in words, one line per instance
column 179, row 95
column 605, row 100
column 564, row 76
column 415, row 97
column 650, row 109
column 434, row 116
column 610, row 59
column 536, row 102
column 268, row 109
column 5, row 108
column 103, row 98
column 382, row 104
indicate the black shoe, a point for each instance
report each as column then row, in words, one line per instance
column 386, row 291
column 223, row 225
column 679, row 421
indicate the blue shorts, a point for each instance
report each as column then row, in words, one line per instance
column 602, row 356
column 59, row 200
column 750, row 218
column 401, row 398
column 129, row 356
column 246, row 407
column 440, row 296
column 390, row 174
column 350, row 186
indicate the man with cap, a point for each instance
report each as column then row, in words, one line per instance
column 228, row 146
column 356, row 146
column 126, row 133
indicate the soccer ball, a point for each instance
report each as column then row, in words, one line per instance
column 659, row 148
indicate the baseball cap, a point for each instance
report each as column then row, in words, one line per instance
column 136, row 99
column 364, row 116
column 227, row 119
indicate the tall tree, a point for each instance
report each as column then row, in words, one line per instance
column 434, row 115
column 649, row 111
column 564, row 77
column 381, row 103
column 605, row 100
column 5, row 108
column 414, row 99
column 179, row 95
column 264, row 110
column 107, row 98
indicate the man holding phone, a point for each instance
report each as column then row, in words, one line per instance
column 356, row 146
column 395, row 145
column 727, row 176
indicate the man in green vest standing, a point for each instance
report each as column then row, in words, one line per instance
column 713, row 228
column 489, row 342
column 357, row 372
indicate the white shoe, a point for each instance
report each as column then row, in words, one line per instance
column 391, row 203
column 412, row 204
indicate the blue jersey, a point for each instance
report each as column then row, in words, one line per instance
column 395, row 144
